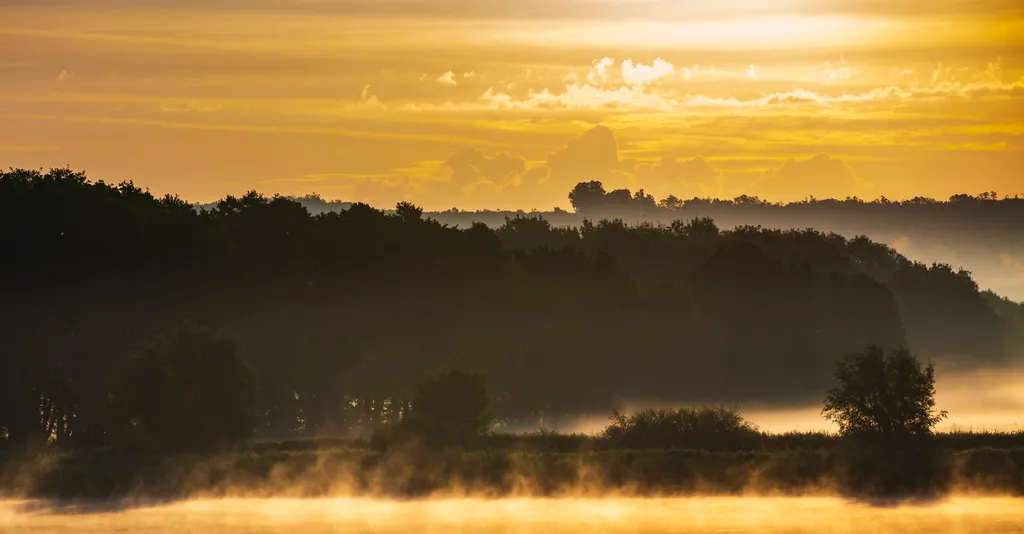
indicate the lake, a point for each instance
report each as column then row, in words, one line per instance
column 684, row 515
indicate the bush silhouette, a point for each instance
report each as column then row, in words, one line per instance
column 447, row 409
column 189, row 391
column 711, row 428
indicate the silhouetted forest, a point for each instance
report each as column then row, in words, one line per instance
column 961, row 220
column 341, row 313
column 984, row 231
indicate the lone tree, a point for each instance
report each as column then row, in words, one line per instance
column 190, row 391
column 883, row 394
column 587, row 196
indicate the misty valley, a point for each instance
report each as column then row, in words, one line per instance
column 254, row 366
column 520, row 267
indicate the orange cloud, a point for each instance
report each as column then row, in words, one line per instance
column 471, row 165
column 820, row 177
column 684, row 178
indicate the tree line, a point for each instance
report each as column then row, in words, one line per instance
column 592, row 196
column 192, row 391
column 962, row 220
column 340, row 314
column 985, row 231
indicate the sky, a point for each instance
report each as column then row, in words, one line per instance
column 491, row 104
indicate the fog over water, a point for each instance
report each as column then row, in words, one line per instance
column 984, row 399
column 990, row 399
column 963, row 515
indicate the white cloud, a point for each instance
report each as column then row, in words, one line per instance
column 712, row 73
column 639, row 74
column 65, row 75
column 584, row 96
column 577, row 96
column 840, row 72
column 942, row 90
column 448, row 78
column 640, row 94
column 993, row 73
column 600, row 72
column 696, row 70
column 369, row 100
column 469, row 74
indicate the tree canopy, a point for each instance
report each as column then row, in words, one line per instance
column 881, row 393
column 190, row 391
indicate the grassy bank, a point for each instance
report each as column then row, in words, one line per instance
column 550, row 441
column 307, row 468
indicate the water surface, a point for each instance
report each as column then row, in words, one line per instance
column 963, row 515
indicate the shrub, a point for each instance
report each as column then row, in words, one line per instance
column 709, row 428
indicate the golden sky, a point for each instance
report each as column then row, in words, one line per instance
column 492, row 104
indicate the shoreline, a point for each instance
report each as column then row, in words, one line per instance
column 413, row 474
